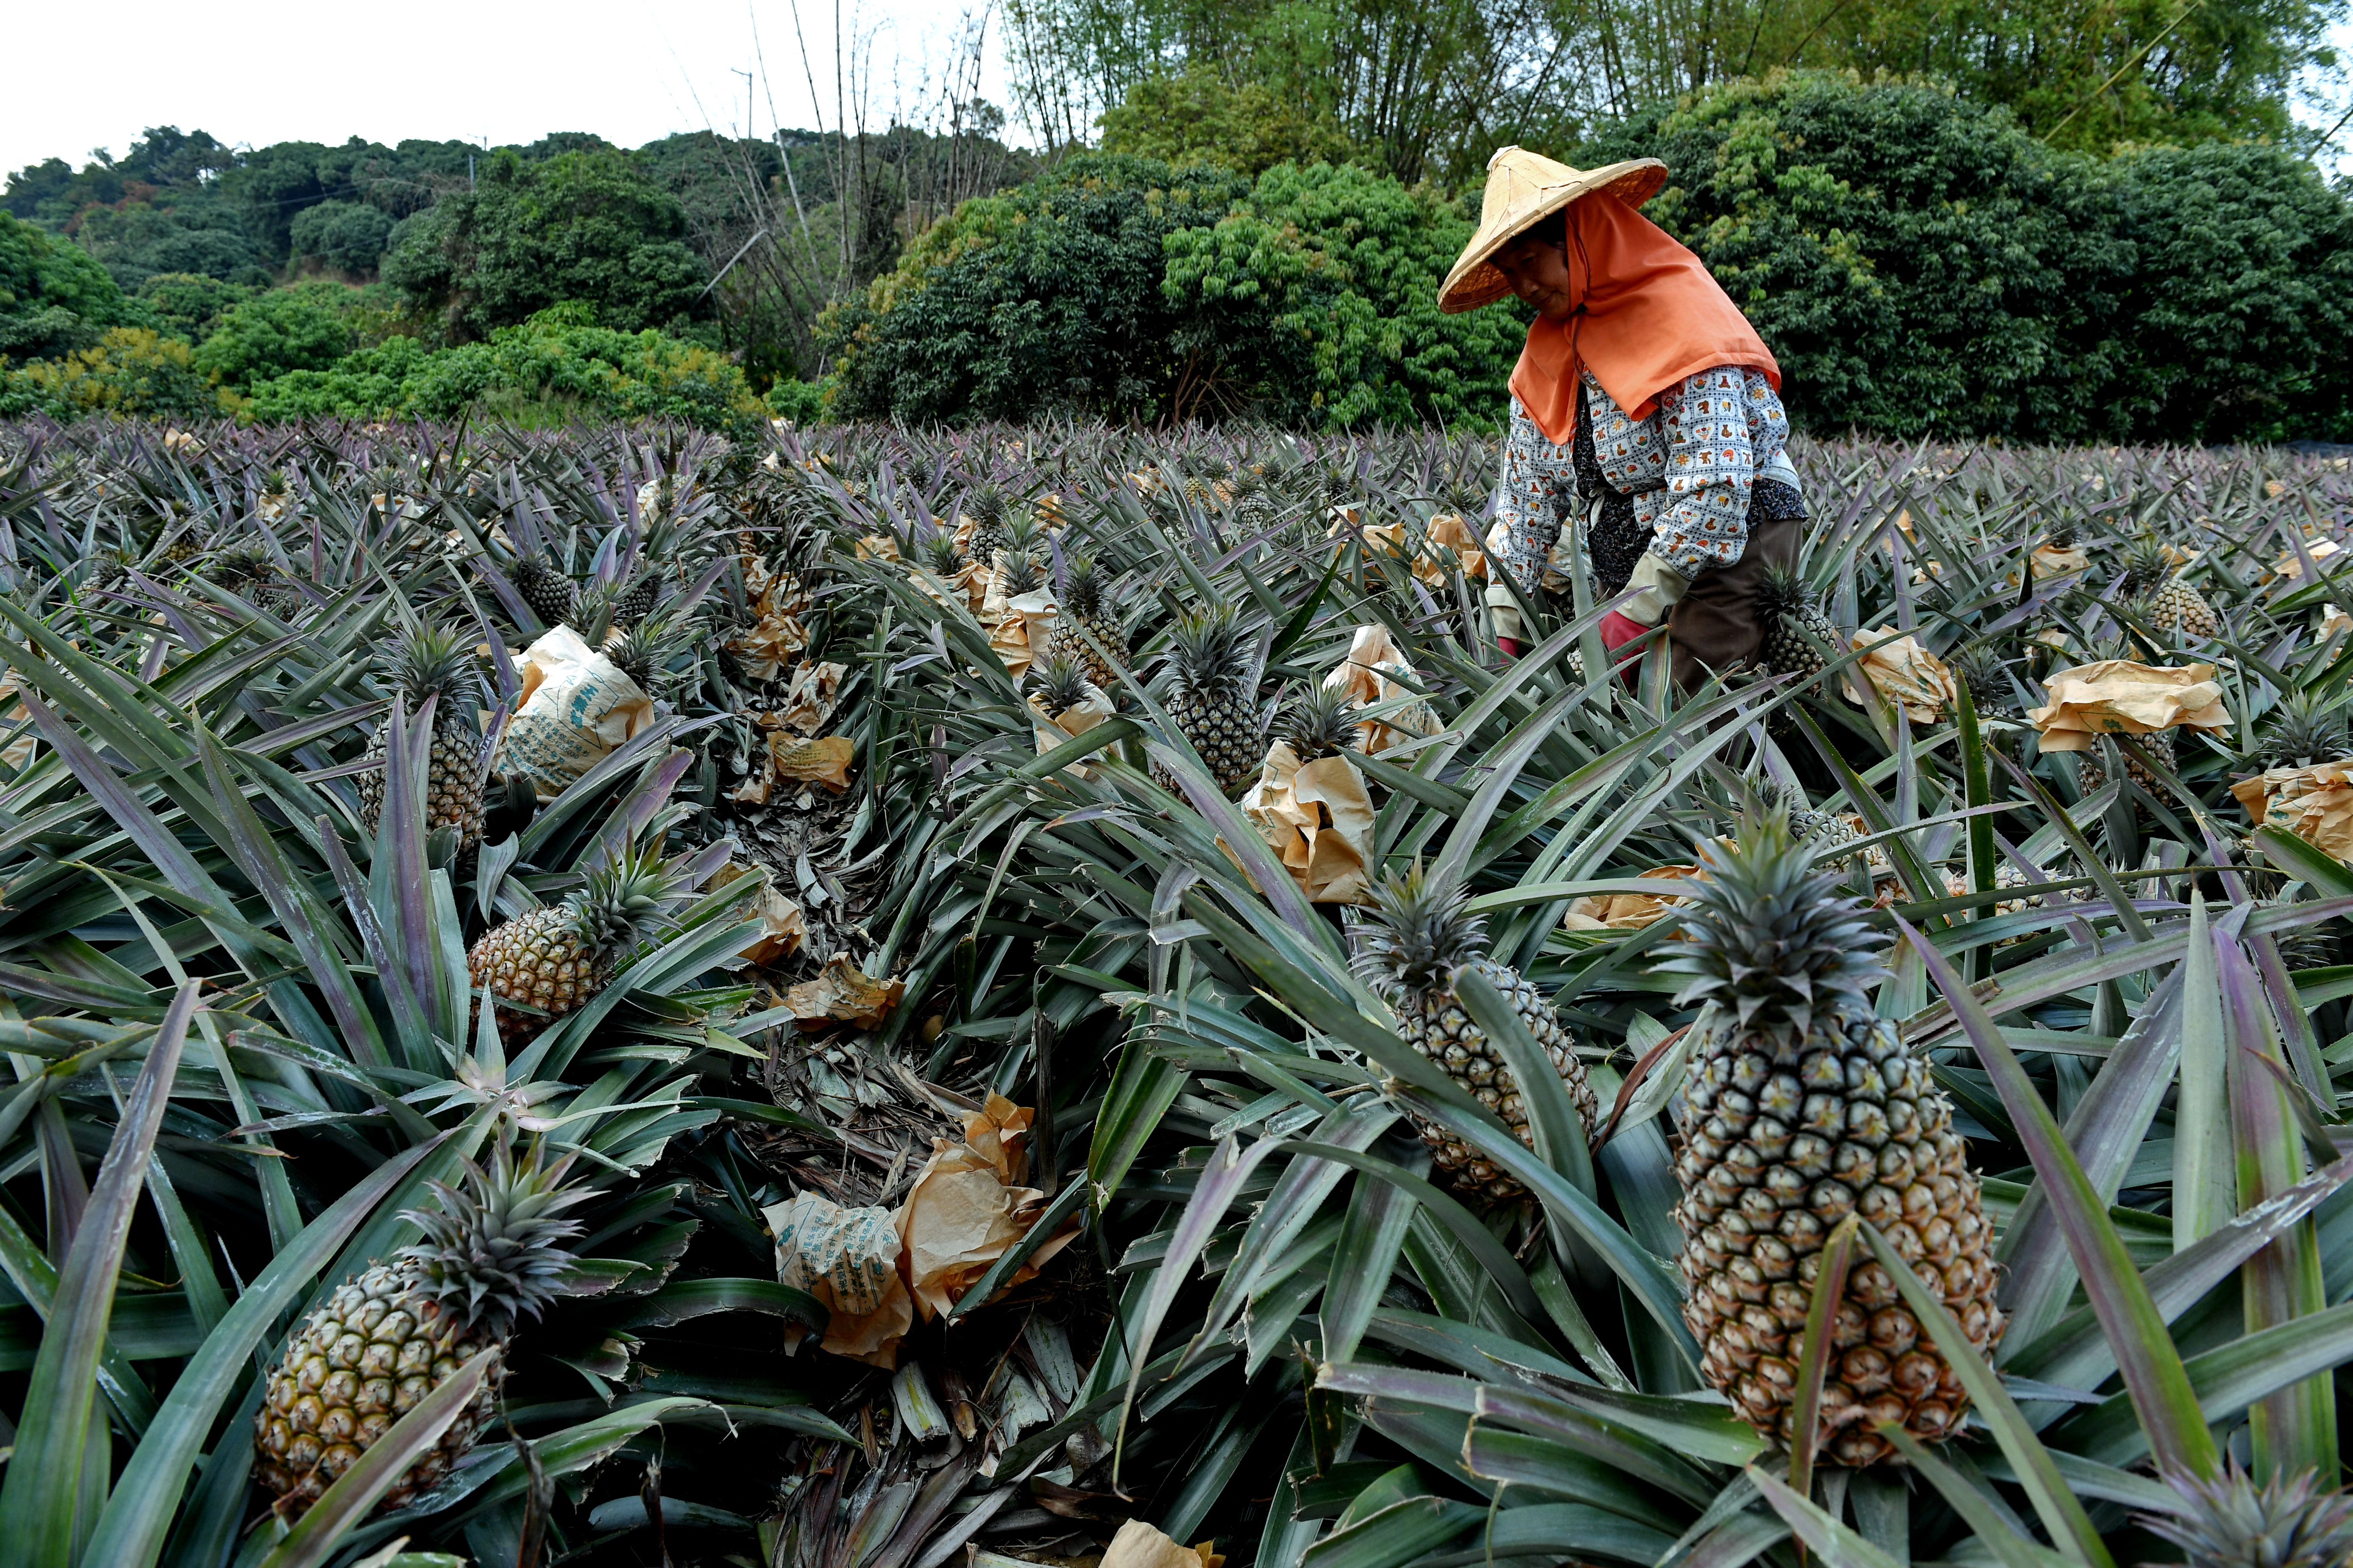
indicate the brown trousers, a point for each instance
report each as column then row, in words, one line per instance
column 1714, row 626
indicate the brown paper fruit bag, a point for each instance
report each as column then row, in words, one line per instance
column 1373, row 659
column 847, row 1259
column 1905, row 674
column 1023, row 632
column 1631, row 910
column 2118, row 697
column 962, row 1214
column 575, row 706
column 2315, row 804
column 1318, row 820
column 1050, row 730
column 1142, row 1545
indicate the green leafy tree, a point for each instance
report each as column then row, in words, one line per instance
column 54, row 298
column 1919, row 264
column 189, row 305
column 348, row 236
column 1200, row 117
column 1045, row 297
column 585, row 225
column 285, row 329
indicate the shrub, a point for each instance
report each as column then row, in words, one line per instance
column 134, row 372
column 285, row 329
column 189, row 305
column 607, row 373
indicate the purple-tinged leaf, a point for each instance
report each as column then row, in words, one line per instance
column 1814, row 1353
column 2293, row 1428
column 2144, row 1353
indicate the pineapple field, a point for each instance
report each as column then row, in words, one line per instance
column 870, row 999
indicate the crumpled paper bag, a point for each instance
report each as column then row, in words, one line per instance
column 1140, row 1545
column 2118, row 697
column 963, row 590
column 18, row 751
column 1630, row 910
column 2050, row 561
column 965, row 1211
column 782, row 929
column 2291, row 565
column 1373, row 659
column 776, row 634
column 809, row 699
column 1448, row 532
column 796, row 761
column 2333, row 621
column 842, row 994
column 574, row 706
column 999, row 1133
column 2316, row 804
column 1024, row 633
column 848, row 1259
column 1050, row 730
column 1318, row 820
column 875, row 547
column 1903, row 673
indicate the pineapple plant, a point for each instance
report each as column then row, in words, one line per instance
column 2301, row 732
column 492, row 1254
column 1980, row 666
column 641, row 650
column 1805, row 1106
column 548, row 592
column 636, row 600
column 2172, row 606
column 1320, row 723
column 1089, row 599
column 1209, row 482
column 2234, row 1522
column 1408, row 947
column 593, row 610
column 1213, row 694
column 549, row 961
column 1787, row 604
column 434, row 661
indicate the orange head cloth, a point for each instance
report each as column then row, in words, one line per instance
column 1648, row 316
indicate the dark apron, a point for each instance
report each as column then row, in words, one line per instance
column 1714, row 626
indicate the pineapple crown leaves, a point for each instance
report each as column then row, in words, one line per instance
column 1085, row 585
column 941, row 549
column 1320, row 723
column 640, row 651
column 430, row 660
column 2146, row 565
column 986, row 505
column 1783, row 591
column 1211, row 653
column 2231, row 1522
column 591, row 611
column 617, row 900
column 1416, row 934
column 1021, row 574
column 494, row 1248
column 1061, row 685
column 1769, row 937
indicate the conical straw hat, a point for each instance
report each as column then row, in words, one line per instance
column 1524, row 188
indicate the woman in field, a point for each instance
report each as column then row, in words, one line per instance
column 1643, row 400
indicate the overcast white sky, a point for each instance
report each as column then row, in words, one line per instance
column 256, row 71
column 259, row 71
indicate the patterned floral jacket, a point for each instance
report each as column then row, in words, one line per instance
column 1689, row 467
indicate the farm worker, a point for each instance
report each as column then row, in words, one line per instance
column 1643, row 400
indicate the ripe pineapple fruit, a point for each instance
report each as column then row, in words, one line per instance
column 1208, row 484
column 2233, row 1522
column 1786, row 603
column 492, row 1252
column 1804, row 1106
column 548, row 592
column 1409, row 947
column 2173, row 606
column 428, row 662
column 1820, row 830
column 985, row 506
column 1214, row 696
column 1254, row 506
column 1088, row 601
column 1321, row 722
column 556, row 960
column 2092, row 771
column 637, row 601
column 253, row 576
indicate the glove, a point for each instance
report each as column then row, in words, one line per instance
column 1510, row 646
column 1617, row 631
